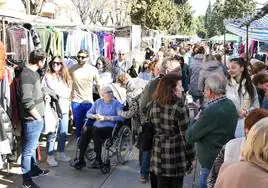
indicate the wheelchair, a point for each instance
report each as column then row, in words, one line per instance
column 118, row 147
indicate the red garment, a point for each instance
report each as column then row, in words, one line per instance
column 242, row 49
column 2, row 60
column 15, row 118
column 109, row 41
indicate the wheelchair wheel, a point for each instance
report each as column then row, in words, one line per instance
column 90, row 153
column 125, row 144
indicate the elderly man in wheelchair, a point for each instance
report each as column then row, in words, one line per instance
column 104, row 112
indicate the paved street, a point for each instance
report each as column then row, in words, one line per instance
column 64, row 176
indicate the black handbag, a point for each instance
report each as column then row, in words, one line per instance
column 147, row 134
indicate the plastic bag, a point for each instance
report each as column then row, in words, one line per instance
column 51, row 119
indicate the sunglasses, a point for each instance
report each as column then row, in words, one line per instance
column 81, row 57
column 56, row 63
column 121, row 54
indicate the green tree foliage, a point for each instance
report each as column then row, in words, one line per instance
column 155, row 14
column 215, row 25
column 224, row 10
column 208, row 15
column 238, row 8
column 163, row 15
column 200, row 27
column 184, row 22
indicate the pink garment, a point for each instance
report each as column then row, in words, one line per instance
column 252, row 47
column 109, row 45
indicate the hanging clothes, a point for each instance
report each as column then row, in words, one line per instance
column 65, row 36
column 20, row 42
column 34, row 34
column 59, row 50
column 13, row 106
column 95, row 47
column 109, row 44
column 101, row 41
column 86, row 44
column 2, row 60
column 5, row 93
column 74, row 41
column 7, row 138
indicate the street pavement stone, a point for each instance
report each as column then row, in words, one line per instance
column 64, row 176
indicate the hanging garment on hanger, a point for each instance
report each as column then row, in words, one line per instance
column 109, row 41
column 2, row 60
column 95, row 47
column 13, row 107
column 44, row 37
column 86, row 44
column 6, row 133
column 74, row 41
column 59, row 43
column 65, row 36
column 101, row 41
column 5, row 93
column 19, row 42
column 34, row 35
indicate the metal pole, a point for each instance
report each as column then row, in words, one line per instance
column 224, row 43
column 247, row 52
column 4, row 32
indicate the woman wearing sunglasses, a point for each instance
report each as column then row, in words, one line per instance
column 57, row 78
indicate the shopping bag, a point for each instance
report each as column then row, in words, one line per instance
column 50, row 120
column 5, row 147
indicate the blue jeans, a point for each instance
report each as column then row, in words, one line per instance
column 62, row 135
column 204, row 172
column 145, row 164
column 31, row 133
column 79, row 113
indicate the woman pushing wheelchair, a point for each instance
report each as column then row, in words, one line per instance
column 104, row 114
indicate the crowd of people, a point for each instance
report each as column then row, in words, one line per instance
column 227, row 133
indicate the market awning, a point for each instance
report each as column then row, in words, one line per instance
column 258, row 29
column 228, row 37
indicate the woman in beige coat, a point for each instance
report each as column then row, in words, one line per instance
column 253, row 170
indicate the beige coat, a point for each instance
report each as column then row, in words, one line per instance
column 242, row 175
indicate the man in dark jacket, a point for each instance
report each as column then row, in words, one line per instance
column 213, row 127
column 33, row 109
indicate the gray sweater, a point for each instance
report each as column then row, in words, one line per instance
column 31, row 93
column 194, row 70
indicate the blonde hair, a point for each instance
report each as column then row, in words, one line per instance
column 255, row 148
column 209, row 57
column 123, row 78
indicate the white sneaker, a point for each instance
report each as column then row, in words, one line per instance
column 62, row 157
column 51, row 161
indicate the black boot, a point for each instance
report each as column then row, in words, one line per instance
column 79, row 164
column 29, row 184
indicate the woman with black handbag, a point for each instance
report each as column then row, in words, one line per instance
column 169, row 117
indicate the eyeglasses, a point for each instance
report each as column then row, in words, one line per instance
column 82, row 57
column 121, row 54
column 56, row 63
